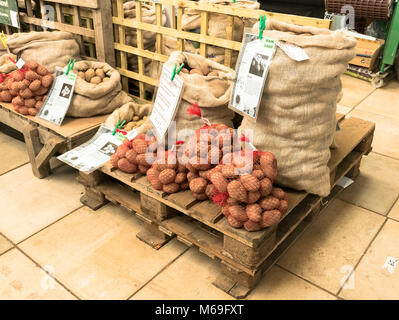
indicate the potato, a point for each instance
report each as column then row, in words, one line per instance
column 191, row 176
column 106, row 79
column 231, row 201
column 266, row 187
column 219, row 181
column 42, row 90
column 237, row 191
column 213, row 74
column 250, row 182
column 167, row 176
column 143, row 169
column 184, row 70
column 44, row 98
column 31, row 75
column 5, row 96
column 26, row 93
column 32, row 65
column 126, row 166
column 180, row 177
column 90, row 73
column 253, row 197
column 145, row 159
column 18, row 101
column 47, row 80
column 259, row 174
column 41, row 70
column 38, row 98
column 39, row 104
column 196, row 71
column 136, row 118
column 30, row 103
column 270, row 218
column 114, row 160
column 269, row 203
column 205, row 68
column 279, row 194
column 198, row 185
column 131, row 155
column 22, row 85
column 18, row 75
column 35, row 85
column 171, row 188
column 200, row 196
column 228, row 171
column 210, row 191
column 32, row 111
column 95, row 80
column 121, row 150
column 238, row 213
column 283, row 206
column 254, row 212
column 14, row 86
column 233, row 222
column 81, row 75
column 100, row 73
column 139, row 145
column 153, row 178
column 24, row 111
column 252, row 226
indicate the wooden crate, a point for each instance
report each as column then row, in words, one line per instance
column 88, row 19
column 178, row 7
column 44, row 140
column 244, row 256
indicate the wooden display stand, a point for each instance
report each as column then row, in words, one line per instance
column 44, row 139
column 244, row 256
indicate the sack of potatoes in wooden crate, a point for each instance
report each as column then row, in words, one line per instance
column 6, row 65
column 98, row 90
column 297, row 113
column 218, row 26
column 148, row 16
column 26, row 88
column 136, row 155
column 134, row 115
column 49, row 49
column 206, row 83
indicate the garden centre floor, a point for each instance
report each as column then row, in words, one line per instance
column 96, row 255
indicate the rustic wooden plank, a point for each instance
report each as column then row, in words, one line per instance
column 122, row 39
column 207, row 210
column 229, row 33
column 83, row 3
column 180, row 41
column 28, row 6
column 204, row 31
column 184, row 199
column 141, row 52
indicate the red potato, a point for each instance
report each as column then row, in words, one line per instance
column 238, row 212
column 171, row 188
column 143, row 169
column 167, row 176
column 253, row 197
column 32, row 111
column 252, row 226
column 41, row 70
column 121, row 151
column 126, row 166
column 210, row 190
column 250, row 182
column 114, row 160
column 198, row 185
column 283, row 206
column 139, row 145
column 266, row 187
column 47, row 80
column 219, row 181
column 254, row 212
column 234, row 222
column 31, row 75
column 279, row 193
column 269, row 203
column 270, row 218
column 200, row 196
column 180, row 177
column 237, row 191
column 131, row 155
column 35, row 85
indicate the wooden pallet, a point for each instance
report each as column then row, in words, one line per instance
column 44, row 140
column 89, row 20
column 175, row 30
column 244, row 256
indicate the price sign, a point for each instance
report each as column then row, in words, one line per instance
column 59, row 97
column 9, row 13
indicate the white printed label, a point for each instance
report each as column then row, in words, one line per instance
column 59, row 97
column 14, row 18
column 294, row 52
column 132, row 134
column 20, row 63
column 166, row 101
column 91, row 155
column 252, row 69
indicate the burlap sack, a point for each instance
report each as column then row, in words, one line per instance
column 148, row 16
column 90, row 99
column 217, row 26
column 6, row 66
column 212, row 93
column 50, row 49
column 127, row 112
column 297, row 119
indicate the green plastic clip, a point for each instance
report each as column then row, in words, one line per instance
column 175, row 72
column 116, row 127
column 70, row 65
column 262, row 25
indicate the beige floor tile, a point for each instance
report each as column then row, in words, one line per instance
column 343, row 109
column 20, row 278
column 28, row 204
column 371, row 280
column 189, row 277
column 377, row 187
column 354, row 91
column 97, row 255
column 386, row 137
column 331, row 245
column 278, row 284
column 384, row 101
column 4, row 244
column 13, row 153
column 394, row 213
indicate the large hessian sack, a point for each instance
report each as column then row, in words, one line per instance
column 95, row 99
column 149, row 38
column 296, row 120
column 50, row 49
column 217, row 26
column 212, row 93
column 6, row 65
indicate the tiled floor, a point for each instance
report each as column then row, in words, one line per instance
column 53, row 248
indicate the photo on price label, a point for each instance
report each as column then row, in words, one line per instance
column 66, row 91
column 109, row 148
column 258, row 64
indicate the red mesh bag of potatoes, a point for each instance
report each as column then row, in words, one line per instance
column 203, row 152
column 168, row 173
column 243, row 187
column 136, row 155
column 26, row 88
